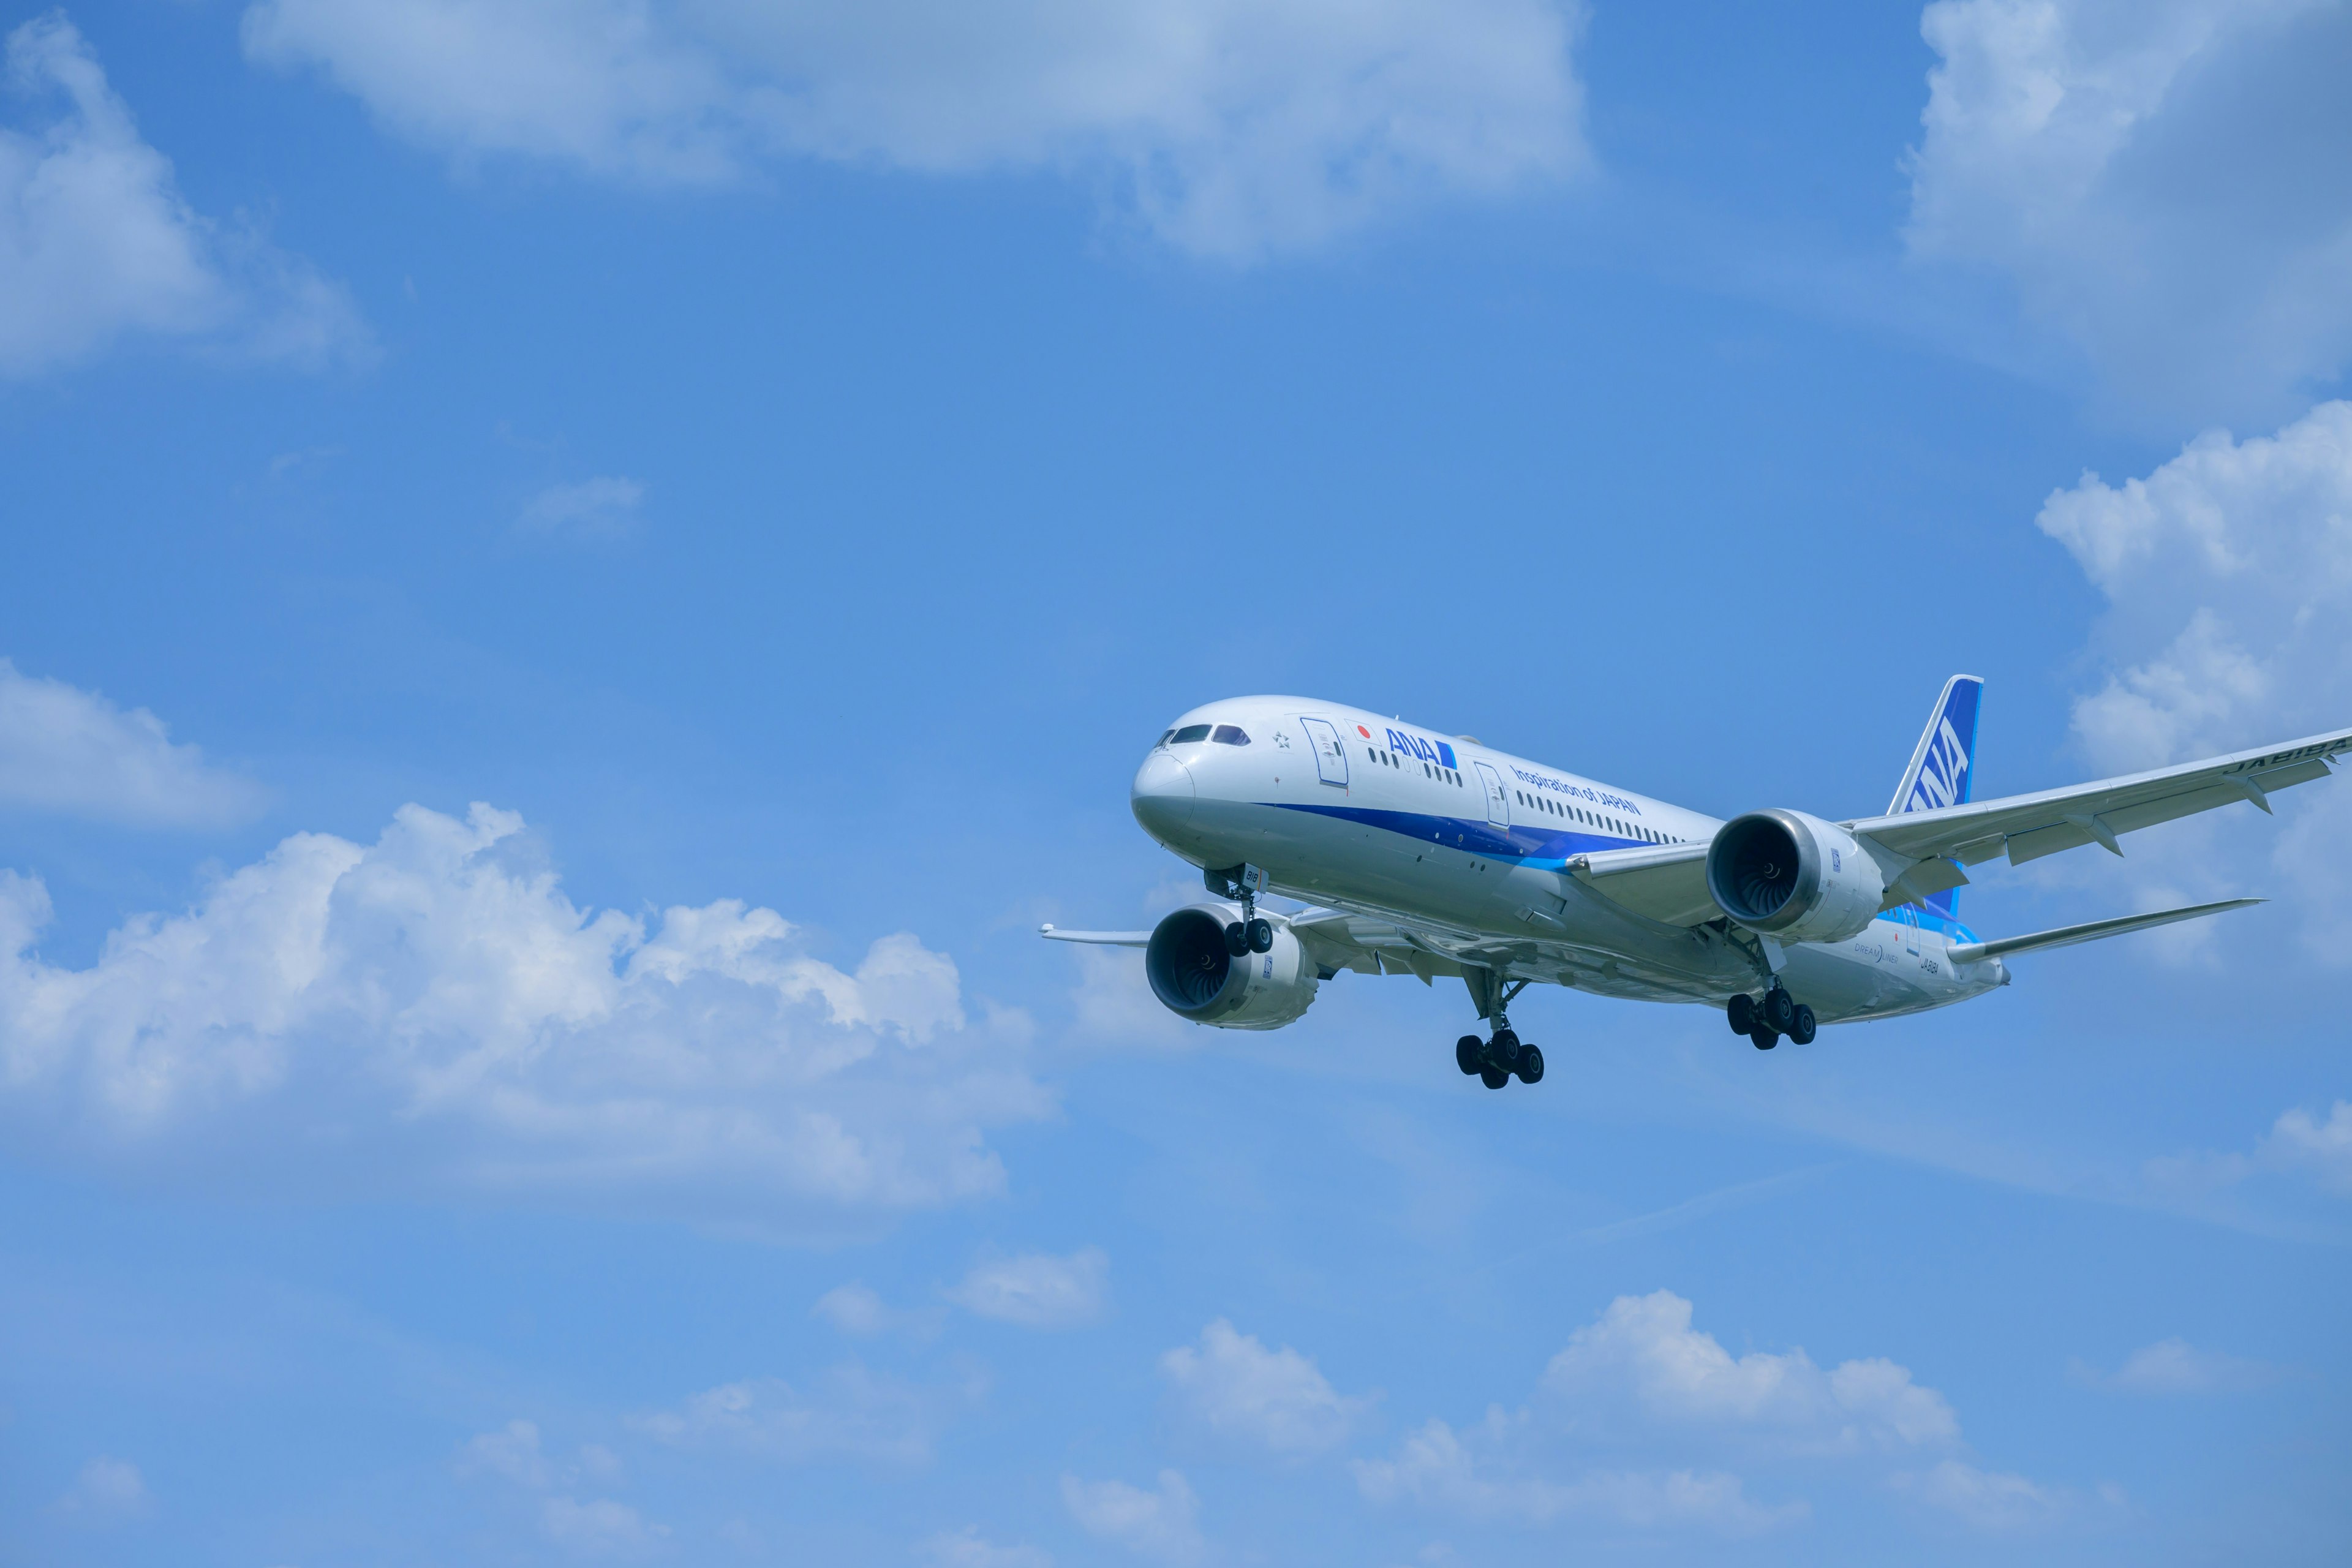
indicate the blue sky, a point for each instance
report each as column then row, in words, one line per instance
column 583, row 574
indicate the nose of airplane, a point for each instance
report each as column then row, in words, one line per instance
column 1162, row 795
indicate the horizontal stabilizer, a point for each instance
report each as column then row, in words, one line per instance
column 2090, row 931
column 1098, row 938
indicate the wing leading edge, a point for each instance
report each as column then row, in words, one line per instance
column 2028, row 826
column 2091, row 931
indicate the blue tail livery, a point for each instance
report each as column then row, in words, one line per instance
column 1943, row 770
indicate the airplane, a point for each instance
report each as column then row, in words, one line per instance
column 1437, row 856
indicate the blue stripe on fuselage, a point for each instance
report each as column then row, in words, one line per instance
column 1546, row 848
column 1547, row 851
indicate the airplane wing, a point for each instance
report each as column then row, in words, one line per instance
column 2090, row 931
column 2028, row 826
column 1098, row 938
column 1665, row 881
column 1337, row 940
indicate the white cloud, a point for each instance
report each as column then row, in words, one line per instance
column 71, row 751
column 1279, row 1399
column 1643, row 1354
column 850, row 1414
column 1161, row 1523
column 510, row 1453
column 2298, row 1145
column 2176, row 1366
column 2160, row 181
column 601, row 507
column 853, row 1309
column 2324, row 1149
column 97, row 243
column 1434, row 1468
column 1228, row 130
column 966, row 1548
column 1986, row 1499
column 108, row 1487
column 1037, row 1290
column 433, row 1003
column 598, row 1524
column 2228, row 572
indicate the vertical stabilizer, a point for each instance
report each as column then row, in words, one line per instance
column 1943, row 770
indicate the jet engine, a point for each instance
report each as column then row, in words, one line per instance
column 1794, row 876
column 1195, row 977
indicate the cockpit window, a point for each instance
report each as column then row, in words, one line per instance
column 1188, row 734
column 1164, row 736
column 1230, row 735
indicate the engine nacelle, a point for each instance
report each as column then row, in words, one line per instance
column 1794, row 876
column 1194, row 977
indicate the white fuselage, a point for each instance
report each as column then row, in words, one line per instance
column 1350, row 810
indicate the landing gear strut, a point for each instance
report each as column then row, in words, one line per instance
column 1764, row 1020
column 1252, row 933
column 1495, row 1059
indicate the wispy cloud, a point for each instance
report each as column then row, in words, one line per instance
column 602, row 508
column 73, row 752
column 98, row 244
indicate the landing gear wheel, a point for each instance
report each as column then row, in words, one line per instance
column 1741, row 1011
column 1779, row 1010
column 1494, row 1077
column 1470, row 1054
column 1801, row 1030
column 1503, row 1049
column 1530, row 1068
column 1260, row 932
column 1237, row 940
column 1764, row 1036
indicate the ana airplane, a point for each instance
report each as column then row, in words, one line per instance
column 1430, row 857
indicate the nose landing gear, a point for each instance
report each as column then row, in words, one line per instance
column 1765, row 1020
column 1252, row 933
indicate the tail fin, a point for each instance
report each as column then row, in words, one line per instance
column 1943, row 770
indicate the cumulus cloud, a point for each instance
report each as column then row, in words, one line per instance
column 2228, row 574
column 601, row 507
column 97, row 243
column 1162, row 1524
column 1279, row 1399
column 512, row 1455
column 1227, row 130
column 849, row 1412
column 1643, row 1355
column 2176, row 1366
column 1434, row 1466
column 433, row 1005
column 2160, row 181
column 73, row 751
column 108, row 1487
column 1038, row 1290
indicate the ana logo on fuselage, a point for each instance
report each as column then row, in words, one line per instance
column 1437, row 754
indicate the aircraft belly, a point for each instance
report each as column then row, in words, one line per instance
column 1538, row 924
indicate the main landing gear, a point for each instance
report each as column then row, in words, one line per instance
column 1765, row 1019
column 1494, row 1061
column 1253, row 932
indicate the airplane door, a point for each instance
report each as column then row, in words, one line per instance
column 1330, row 756
column 1910, row 931
column 1498, row 803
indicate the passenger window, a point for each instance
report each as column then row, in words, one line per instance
column 1230, row 735
column 1189, row 733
